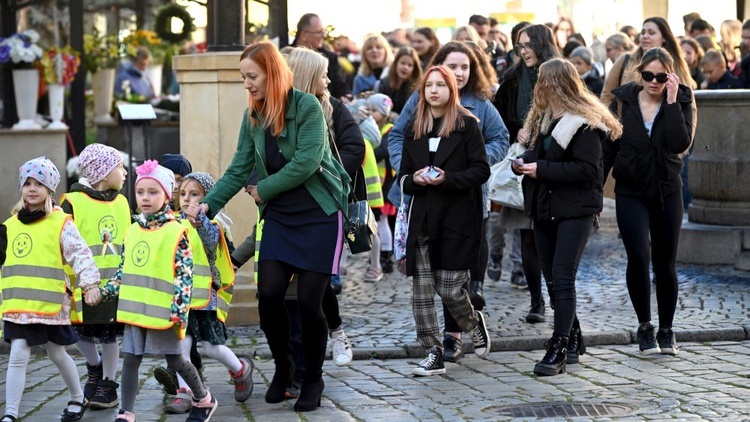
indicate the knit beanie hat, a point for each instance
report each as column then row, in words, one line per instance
column 205, row 180
column 96, row 161
column 380, row 102
column 177, row 163
column 152, row 170
column 585, row 53
column 40, row 169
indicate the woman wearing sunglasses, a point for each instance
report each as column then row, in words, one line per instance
column 656, row 112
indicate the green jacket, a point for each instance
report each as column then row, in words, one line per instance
column 304, row 144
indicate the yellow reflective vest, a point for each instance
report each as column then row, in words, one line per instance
column 381, row 164
column 372, row 179
column 202, row 277
column 226, row 270
column 33, row 275
column 98, row 220
column 147, row 286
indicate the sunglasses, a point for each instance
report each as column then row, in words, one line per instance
column 649, row 76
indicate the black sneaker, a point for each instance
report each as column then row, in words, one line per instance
column 452, row 349
column 480, row 337
column 431, row 365
column 518, row 280
column 92, row 382
column 202, row 409
column 494, row 271
column 667, row 342
column 167, row 378
column 106, row 395
column 536, row 314
column 646, row 340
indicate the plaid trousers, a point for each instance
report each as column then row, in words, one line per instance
column 448, row 284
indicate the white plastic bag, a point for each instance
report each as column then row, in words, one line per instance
column 504, row 185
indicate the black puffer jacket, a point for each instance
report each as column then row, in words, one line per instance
column 569, row 173
column 649, row 167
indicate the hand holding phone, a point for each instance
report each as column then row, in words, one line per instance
column 517, row 161
column 432, row 173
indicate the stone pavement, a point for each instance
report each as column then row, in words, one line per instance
column 707, row 381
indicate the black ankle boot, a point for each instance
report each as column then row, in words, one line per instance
column 556, row 357
column 386, row 261
column 309, row 396
column 282, row 377
column 475, row 294
column 95, row 375
column 576, row 345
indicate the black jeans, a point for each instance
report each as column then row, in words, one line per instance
column 274, row 279
column 560, row 245
column 650, row 229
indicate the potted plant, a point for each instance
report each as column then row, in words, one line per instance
column 20, row 51
column 101, row 54
column 59, row 67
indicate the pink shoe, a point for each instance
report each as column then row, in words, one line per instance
column 203, row 409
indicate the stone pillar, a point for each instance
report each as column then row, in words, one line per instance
column 212, row 100
column 718, row 226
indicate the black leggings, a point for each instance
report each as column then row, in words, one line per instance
column 532, row 270
column 560, row 245
column 273, row 281
column 129, row 377
column 640, row 219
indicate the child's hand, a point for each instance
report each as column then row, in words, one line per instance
column 193, row 211
column 92, row 296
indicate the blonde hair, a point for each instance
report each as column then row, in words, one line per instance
column 452, row 119
column 48, row 206
column 308, row 67
column 473, row 35
column 364, row 68
column 731, row 38
column 559, row 79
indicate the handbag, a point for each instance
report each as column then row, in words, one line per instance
column 504, row 185
column 401, row 230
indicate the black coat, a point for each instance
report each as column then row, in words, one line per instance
column 569, row 178
column 505, row 102
column 351, row 146
column 338, row 87
column 452, row 211
column 649, row 167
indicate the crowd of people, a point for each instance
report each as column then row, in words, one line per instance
column 417, row 123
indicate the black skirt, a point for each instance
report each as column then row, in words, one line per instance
column 99, row 333
column 40, row 334
column 205, row 326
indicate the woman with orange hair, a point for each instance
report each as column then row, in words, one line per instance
column 300, row 192
column 443, row 166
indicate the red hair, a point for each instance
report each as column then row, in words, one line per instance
column 453, row 109
column 272, row 108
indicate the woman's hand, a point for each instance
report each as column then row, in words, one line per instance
column 527, row 169
column 420, row 177
column 92, row 296
column 673, row 83
column 204, row 208
column 192, row 212
column 439, row 180
column 516, row 167
column 523, row 137
column 254, row 193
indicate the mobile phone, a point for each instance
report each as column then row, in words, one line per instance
column 432, row 173
column 515, row 160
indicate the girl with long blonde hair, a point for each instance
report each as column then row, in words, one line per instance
column 563, row 193
column 443, row 166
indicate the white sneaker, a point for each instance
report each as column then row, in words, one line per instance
column 342, row 350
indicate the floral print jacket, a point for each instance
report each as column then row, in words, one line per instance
column 183, row 264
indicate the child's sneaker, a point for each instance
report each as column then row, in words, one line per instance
column 243, row 382
column 341, row 350
column 203, row 409
column 106, row 395
column 95, row 375
column 168, row 379
column 125, row 416
column 181, row 404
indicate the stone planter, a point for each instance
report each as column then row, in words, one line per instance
column 26, row 88
column 103, row 82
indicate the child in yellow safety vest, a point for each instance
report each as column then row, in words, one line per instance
column 101, row 214
column 35, row 244
column 212, row 273
column 154, row 288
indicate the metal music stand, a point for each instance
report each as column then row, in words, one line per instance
column 130, row 115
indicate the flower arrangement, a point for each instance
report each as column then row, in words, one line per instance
column 20, row 50
column 100, row 51
column 59, row 65
column 148, row 39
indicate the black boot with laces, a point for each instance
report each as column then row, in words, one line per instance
column 576, row 345
column 555, row 359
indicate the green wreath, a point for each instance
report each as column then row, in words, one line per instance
column 163, row 23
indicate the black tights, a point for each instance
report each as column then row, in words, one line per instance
column 274, row 279
column 641, row 220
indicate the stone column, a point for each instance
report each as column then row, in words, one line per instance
column 718, row 226
column 212, row 100
column 226, row 25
